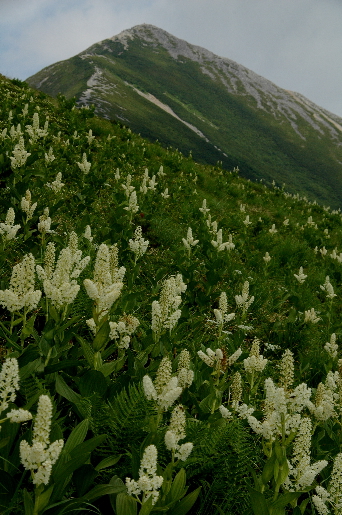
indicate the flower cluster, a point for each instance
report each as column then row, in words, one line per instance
column 27, row 206
column 255, row 361
column 123, row 329
column 176, row 432
column 138, row 245
column 21, row 293
column 165, row 390
column 105, row 287
column 41, row 455
column 7, row 229
column 59, row 280
column 57, row 184
column 244, row 301
column 148, row 483
column 165, row 312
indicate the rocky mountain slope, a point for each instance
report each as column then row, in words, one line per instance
column 187, row 97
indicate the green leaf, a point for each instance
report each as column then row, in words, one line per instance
column 258, row 502
column 28, row 503
column 185, row 505
column 126, row 505
column 65, row 391
column 64, row 470
column 114, row 366
column 76, row 436
column 102, row 337
column 92, row 382
column 268, row 471
column 178, row 486
column 285, row 499
column 87, row 350
column 147, row 507
column 107, row 462
column 101, row 490
column 88, row 446
column 43, row 499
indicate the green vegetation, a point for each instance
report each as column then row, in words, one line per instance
column 176, row 328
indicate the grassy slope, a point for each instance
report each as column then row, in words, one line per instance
column 276, row 316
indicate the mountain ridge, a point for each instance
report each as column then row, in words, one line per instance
column 190, row 98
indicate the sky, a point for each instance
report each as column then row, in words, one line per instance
column 297, row 44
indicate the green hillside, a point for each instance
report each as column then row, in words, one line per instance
column 169, row 331
column 237, row 117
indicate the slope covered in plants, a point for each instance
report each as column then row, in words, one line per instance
column 169, row 330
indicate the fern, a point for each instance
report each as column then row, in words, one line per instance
column 224, row 453
column 123, row 419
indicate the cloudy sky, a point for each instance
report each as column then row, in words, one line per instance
column 295, row 43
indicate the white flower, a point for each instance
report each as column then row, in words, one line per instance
column 165, row 194
column 267, row 258
column 19, row 415
column 138, row 245
column 44, row 223
column 9, row 382
column 301, row 276
column 189, row 241
column 27, row 206
column 243, row 300
column 132, row 203
column 49, row 157
column 84, row 165
column 246, row 221
column 328, row 288
column 310, row 315
column 19, row 155
column 57, row 184
column 332, row 347
column 273, row 230
column 21, row 293
column 7, row 229
column 204, row 208
column 87, row 234
column 41, row 455
column 148, row 482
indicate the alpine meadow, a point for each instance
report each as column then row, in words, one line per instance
column 169, row 330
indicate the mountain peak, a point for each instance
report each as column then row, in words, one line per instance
column 186, row 96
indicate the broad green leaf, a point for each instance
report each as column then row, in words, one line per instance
column 114, row 366
column 65, row 391
column 268, row 471
column 178, row 486
column 107, row 462
column 93, row 381
column 87, row 350
column 28, row 503
column 185, row 505
column 64, row 470
column 101, row 490
column 43, row 499
column 76, row 436
column 258, row 502
column 126, row 505
column 147, row 507
column 88, row 446
column 102, row 337
column 285, row 499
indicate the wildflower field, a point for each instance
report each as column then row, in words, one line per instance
column 169, row 332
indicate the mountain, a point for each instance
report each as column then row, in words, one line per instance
column 187, row 97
